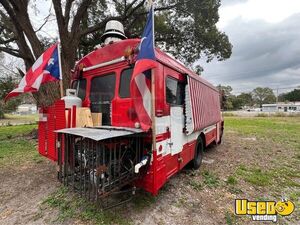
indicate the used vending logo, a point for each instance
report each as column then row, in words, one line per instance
column 264, row 210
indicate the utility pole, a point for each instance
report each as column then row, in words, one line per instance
column 277, row 98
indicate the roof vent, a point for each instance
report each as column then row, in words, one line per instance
column 114, row 31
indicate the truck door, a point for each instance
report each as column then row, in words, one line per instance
column 175, row 86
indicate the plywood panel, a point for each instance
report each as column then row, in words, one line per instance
column 97, row 119
column 84, row 117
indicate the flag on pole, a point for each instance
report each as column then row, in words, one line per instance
column 141, row 76
column 45, row 69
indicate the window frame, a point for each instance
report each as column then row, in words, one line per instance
column 120, row 82
column 178, row 82
column 100, row 76
column 76, row 87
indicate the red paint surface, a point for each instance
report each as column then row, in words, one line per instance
column 47, row 137
column 162, row 167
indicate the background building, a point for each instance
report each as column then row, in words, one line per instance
column 282, row 107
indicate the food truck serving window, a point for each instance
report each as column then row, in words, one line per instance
column 124, row 90
column 174, row 91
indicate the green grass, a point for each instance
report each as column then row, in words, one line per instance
column 73, row 207
column 282, row 130
column 14, row 147
column 9, row 132
column 32, row 117
column 278, row 176
column 254, row 176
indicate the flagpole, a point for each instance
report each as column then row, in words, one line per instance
column 153, row 87
column 153, row 106
column 61, row 86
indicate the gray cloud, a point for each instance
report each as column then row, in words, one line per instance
column 264, row 54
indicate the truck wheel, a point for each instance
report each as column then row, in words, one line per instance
column 196, row 163
column 221, row 135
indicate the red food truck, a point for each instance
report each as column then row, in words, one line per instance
column 100, row 159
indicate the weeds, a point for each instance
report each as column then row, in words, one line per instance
column 231, row 180
column 210, row 180
column 230, row 218
column 196, row 185
column 71, row 206
column 143, row 200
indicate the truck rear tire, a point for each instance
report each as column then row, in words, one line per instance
column 197, row 161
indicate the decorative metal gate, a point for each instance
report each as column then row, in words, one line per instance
column 96, row 168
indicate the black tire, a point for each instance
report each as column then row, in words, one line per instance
column 220, row 141
column 197, row 161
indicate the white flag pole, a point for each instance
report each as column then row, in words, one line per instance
column 60, row 71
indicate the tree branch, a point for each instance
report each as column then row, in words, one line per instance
column 13, row 52
column 62, row 28
column 46, row 20
column 7, row 41
column 67, row 11
column 81, row 11
column 99, row 25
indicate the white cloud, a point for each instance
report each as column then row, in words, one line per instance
column 271, row 11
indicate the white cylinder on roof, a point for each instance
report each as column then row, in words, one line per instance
column 114, row 31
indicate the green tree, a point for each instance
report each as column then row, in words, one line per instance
column 8, row 83
column 245, row 99
column 292, row 96
column 185, row 28
column 263, row 96
column 227, row 98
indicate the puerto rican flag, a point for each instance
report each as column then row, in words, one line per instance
column 141, row 77
column 45, row 69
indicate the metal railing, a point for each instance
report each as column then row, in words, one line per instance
column 98, row 168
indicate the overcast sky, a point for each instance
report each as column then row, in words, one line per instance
column 265, row 35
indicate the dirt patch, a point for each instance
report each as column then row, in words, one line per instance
column 22, row 189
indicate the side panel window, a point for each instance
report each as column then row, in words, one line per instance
column 174, row 91
column 124, row 90
column 81, row 89
column 80, row 86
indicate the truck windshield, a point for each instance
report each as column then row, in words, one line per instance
column 102, row 92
